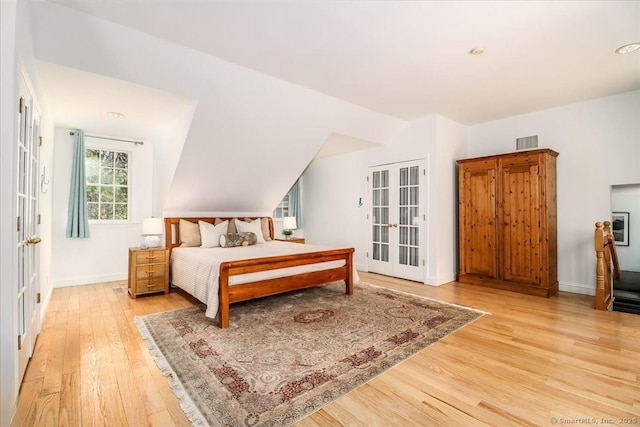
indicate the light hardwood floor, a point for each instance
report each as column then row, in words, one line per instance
column 531, row 361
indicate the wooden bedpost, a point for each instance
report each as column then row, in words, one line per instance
column 223, row 295
column 349, row 280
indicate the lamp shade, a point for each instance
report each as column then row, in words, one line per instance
column 152, row 227
column 289, row 223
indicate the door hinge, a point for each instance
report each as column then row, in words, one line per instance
column 424, row 171
column 18, row 224
column 19, row 342
column 367, row 178
column 423, row 264
column 38, row 298
column 424, row 217
column 367, row 216
column 39, row 218
column 20, row 105
column 366, row 255
column 40, row 141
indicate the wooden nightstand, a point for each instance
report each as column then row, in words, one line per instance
column 292, row 240
column 148, row 271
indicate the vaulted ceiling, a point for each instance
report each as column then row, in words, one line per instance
column 266, row 84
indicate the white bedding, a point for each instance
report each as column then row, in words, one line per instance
column 197, row 270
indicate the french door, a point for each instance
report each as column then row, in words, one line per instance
column 28, row 160
column 397, row 220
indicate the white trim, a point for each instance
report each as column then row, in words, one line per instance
column 577, row 288
column 89, row 280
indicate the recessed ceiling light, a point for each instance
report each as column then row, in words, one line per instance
column 115, row 115
column 627, row 48
column 479, row 50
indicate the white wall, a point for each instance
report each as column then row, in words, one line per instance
column 626, row 198
column 104, row 255
column 333, row 186
column 599, row 146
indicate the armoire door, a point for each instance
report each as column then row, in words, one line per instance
column 479, row 248
column 397, row 220
column 521, row 221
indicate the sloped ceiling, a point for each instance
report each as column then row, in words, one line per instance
column 274, row 81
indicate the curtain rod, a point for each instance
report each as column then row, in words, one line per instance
column 110, row 139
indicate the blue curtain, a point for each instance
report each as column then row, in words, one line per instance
column 78, row 215
column 295, row 204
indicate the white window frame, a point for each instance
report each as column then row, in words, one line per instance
column 94, row 144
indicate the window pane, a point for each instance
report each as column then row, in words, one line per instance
column 404, row 198
column 121, row 211
column 120, row 194
column 404, row 176
column 94, row 212
column 385, row 179
column 385, row 197
column 376, row 251
column 404, row 216
column 122, row 160
column 92, row 193
column 106, row 211
column 106, row 159
column 413, row 236
column 121, row 177
column 376, row 233
column 415, row 174
column 106, row 176
column 403, row 255
column 376, row 180
column 384, row 216
column 413, row 198
column 106, row 195
column 384, row 256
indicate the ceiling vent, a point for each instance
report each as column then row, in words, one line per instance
column 527, row 142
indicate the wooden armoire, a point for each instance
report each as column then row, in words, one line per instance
column 507, row 222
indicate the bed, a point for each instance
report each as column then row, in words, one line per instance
column 244, row 273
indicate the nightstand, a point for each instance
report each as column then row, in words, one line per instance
column 292, row 240
column 148, row 271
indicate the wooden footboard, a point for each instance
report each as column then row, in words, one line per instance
column 230, row 294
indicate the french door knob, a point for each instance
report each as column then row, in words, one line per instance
column 33, row 240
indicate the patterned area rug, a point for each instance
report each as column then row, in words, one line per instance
column 285, row 356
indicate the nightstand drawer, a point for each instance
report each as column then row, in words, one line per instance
column 151, row 257
column 149, row 271
column 155, row 284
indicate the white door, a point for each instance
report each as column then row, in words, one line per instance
column 397, row 220
column 27, row 224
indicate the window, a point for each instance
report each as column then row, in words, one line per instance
column 107, row 173
column 282, row 209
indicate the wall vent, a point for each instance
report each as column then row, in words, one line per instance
column 527, row 142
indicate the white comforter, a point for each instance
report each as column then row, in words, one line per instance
column 197, row 270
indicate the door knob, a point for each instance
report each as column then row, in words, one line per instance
column 33, row 240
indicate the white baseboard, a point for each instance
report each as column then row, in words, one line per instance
column 577, row 288
column 88, row 280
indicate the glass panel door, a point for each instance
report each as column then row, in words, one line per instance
column 397, row 220
column 380, row 220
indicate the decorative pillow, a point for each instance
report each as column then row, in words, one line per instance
column 252, row 227
column 231, row 240
column 189, row 233
column 232, row 226
column 210, row 234
column 265, row 229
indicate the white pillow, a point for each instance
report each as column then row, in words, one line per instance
column 251, row 227
column 210, row 234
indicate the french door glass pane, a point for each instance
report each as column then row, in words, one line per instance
column 385, row 253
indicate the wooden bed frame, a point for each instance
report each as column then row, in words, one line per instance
column 230, row 294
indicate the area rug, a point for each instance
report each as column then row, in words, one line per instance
column 283, row 357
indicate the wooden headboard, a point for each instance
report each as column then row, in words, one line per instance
column 172, row 229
